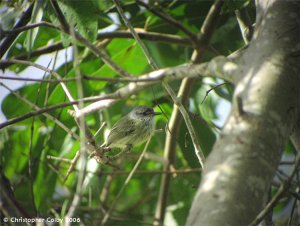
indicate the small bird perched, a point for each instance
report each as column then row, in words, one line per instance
column 134, row 128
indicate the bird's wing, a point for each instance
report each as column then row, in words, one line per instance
column 121, row 129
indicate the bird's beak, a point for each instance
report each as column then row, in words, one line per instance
column 157, row 113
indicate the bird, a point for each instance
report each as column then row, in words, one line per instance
column 134, row 128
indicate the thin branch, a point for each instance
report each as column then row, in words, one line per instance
column 151, row 36
column 169, row 20
column 37, row 108
column 204, row 35
column 9, row 205
column 225, row 69
column 37, row 112
column 245, row 24
column 197, row 147
column 194, row 137
column 282, row 189
column 172, row 172
column 72, row 165
column 10, row 38
column 30, row 26
column 209, row 24
column 35, row 79
column 30, row 169
column 38, row 52
column 295, row 137
column 50, row 157
column 218, row 67
column 212, row 88
column 85, row 134
column 290, row 221
column 28, row 63
column 100, row 128
column 49, row 71
column 135, row 35
column 125, row 173
column 105, row 189
column 167, row 87
column 107, row 214
column 47, row 88
column 146, row 35
column 77, row 195
column 98, row 52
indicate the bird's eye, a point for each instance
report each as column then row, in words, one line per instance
column 147, row 112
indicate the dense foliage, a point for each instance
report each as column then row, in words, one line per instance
column 29, row 146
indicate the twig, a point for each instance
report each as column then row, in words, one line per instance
column 135, row 35
column 179, row 72
column 59, row 123
column 205, row 34
column 36, row 79
column 77, row 195
column 47, row 88
column 84, row 132
column 30, row 159
column 151, row 36
column 177, row 101
column 169, row 19
column 212, row 88
column 146, row 35
column 294, row 204
column 166, row 86
column 34, row 113
column 245, row 24
column 105, row 189
column 124, row 173
column 38, row 52
column 30, row 168
column 10, row 38
column 83, row 128
column 98, row 52
column 107, row 215
column 100, row 128
column 282, row 189
column 30, row 26
column 198, row 150
column 72, row 165
column 50, row 157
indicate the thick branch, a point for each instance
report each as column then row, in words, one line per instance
column 169, row 74
column 219, row 67
column 240, row 169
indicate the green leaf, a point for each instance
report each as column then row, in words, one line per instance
column 15, row 151
column 127, row 55
column 20, row 107
column 82, row 15
column 205, row 102
column 232, row 5
column 9, row 16
column 205, row 136
column 44, row 185
column 37, row 15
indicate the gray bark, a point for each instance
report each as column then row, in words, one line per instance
column 239, row 171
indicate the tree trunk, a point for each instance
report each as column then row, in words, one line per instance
column 239, row 171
